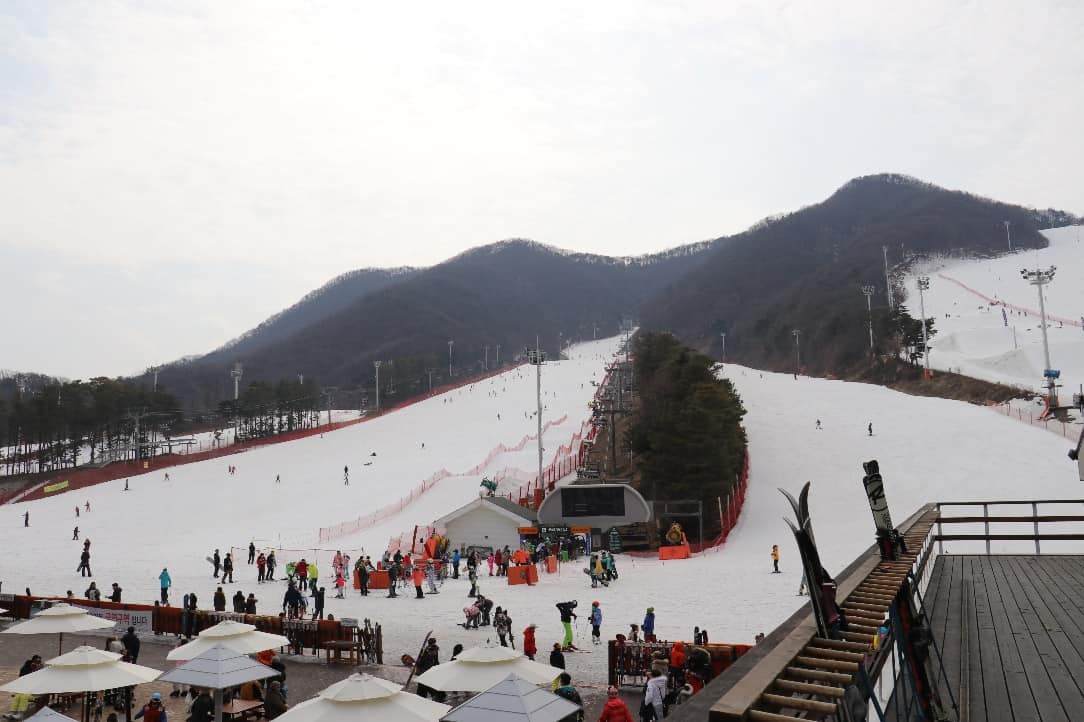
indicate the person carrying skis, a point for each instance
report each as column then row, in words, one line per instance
column 429, row 658
column 775, row 558
column 530, row 648
column 596, row 623
column 567, row 615
column 649, row 625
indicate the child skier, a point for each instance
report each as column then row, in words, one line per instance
column 596, row 623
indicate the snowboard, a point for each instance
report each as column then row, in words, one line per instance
column 421, row 650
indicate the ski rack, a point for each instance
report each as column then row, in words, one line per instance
column 812, row 684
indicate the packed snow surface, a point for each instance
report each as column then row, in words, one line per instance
column 974, row 338
column 929, row 449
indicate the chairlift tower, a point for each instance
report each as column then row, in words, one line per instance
column 888, row 279
column 536, row 357
column 1040, row 277
column 797, row 333
column 924, row 285
column 1008, row 236
column 450, row 343
column 868, row 292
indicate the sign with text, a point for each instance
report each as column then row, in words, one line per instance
column 124, row 618
column 50, row 488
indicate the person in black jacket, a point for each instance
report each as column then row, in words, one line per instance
column 250, row 604
column 239, row 602
column 227, row 569
column 84, row 562
column 219, row 600
column 114, row 596
column 318, row 603
column 252, row 552
column 203, row 708
column 428, row 659
column 131, row 644
column 557, row 658
column 217, row 561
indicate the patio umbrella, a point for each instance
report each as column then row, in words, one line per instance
column 362, row 697
column 48, row 714
column 84, row 669
column 60, row 619
column 218, row 668
column 514, row 700
column 237, row 636
column 480, row 668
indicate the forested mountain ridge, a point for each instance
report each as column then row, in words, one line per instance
column 804, row 270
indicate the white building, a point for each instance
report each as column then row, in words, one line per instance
column 487, row 521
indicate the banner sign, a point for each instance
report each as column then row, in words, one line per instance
column 140, row 619
column 49, row 489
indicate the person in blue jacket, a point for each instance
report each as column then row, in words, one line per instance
column 455, row 564
column 596, row 623
column 649, row 625
column 165, row 582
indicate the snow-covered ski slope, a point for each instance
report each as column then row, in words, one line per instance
column 930, row 449
column 974, row 338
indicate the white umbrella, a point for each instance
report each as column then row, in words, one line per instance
column 479, row 668
column 60, row 619
column 84, row 669
column 48, row 714
column 218, row 668
column 362, row 697
column 235, row 636
column 514, row 700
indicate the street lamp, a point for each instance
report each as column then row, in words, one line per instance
column 924, row 285
column 450, row 342
column 1008, row 237
column 1040, row 278
column 797, row 351
column 722, row 335
column 868, row 292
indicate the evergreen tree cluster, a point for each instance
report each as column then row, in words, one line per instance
column 265, row 409
column 686, row 437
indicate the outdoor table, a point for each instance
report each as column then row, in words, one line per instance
column 334, row 652
column 243, row 709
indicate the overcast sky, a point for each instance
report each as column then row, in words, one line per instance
column 171, row 173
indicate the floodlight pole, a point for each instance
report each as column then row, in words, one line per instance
column 536, row 357
column 1040, row 278
column 868, row 292
column 485, row 362
column 237, row 372
column 888, row 281
column 450, row 343
column 924, row 285
column 497, row 361
column 723, row 336
column 430, row 372
column 377, row 365
column 1008, row 236
column 797, row 333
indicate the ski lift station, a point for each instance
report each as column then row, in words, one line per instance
column 597, row 505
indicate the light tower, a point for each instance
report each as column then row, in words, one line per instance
column 497, row 361
column 485, row 362
column 1040, row 278
column 450, row 343
column 376, row 365
column 924, row 285
column 237, row 372
column 888, row 281
column 868, row 292
column 1008, row 237
column 722, row 335
column 536, row 357
column 797, row 333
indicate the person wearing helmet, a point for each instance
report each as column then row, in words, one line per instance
column 596, row 623
column 615, row 710
column 153, row 711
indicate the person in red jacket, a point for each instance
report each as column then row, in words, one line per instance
column 419, row 578
column 615, row 710
column 301, row 570
column 529, row 647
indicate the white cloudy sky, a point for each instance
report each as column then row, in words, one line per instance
column 171, row 173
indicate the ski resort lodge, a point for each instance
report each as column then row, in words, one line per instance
column 487, row 521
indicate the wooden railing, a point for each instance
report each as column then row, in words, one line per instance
column 1035, row 520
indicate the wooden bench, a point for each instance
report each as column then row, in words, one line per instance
column 343, row 651
column 243, row 709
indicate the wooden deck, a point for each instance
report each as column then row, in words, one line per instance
column 1011, row 631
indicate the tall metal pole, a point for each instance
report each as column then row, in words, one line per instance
column 485, row 363
column 450, row 358
column 497, row 361
column 888, row 281
column 723, row 336
column 924, row 285
column 797, row 351
column 1040, row 278
column 1008, row 236
column 377, row 365
column 430, row 372
column 537, row 357
column 156, row 380
column 868, row 292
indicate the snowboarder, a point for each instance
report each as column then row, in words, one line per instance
column 278, row 479
column 567, row 615
column 775, row 558
column 84, row 563
column 596, row 623
column 818, row 424
column 166, row 477
column 227, row 568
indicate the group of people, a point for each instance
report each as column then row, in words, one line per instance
column 602, row 568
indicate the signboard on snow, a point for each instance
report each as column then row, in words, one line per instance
column 50, row 488
column 125, row 618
